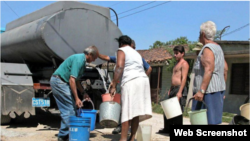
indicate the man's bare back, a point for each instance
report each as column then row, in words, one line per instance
column 177, row 72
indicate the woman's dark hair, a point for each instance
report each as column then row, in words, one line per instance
column 179, row 48
column 124, row 40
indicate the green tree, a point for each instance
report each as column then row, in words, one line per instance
column 157, row 44
column 178, row 41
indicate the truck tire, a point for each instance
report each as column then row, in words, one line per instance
column 5, row 119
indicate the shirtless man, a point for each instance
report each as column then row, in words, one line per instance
column 177, row 88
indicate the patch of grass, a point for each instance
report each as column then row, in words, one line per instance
column 156, row 108
column 227, row 119
column 185, row 113
column 226, row 114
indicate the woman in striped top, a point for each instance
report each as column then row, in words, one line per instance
column 209, row 82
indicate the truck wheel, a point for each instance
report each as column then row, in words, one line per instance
column 5, row 119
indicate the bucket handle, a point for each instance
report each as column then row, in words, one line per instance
column 79, row 111
column 90, row 102
column 112, row 96
column 193, row 98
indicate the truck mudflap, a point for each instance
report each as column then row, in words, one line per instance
column 18, row 99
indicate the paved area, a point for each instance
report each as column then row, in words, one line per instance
column 44, row 127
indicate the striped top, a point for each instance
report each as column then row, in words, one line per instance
column 217, row 82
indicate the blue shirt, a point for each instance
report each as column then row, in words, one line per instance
column 145, row 64
column 73, row 66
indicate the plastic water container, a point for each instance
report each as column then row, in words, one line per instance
column 91, row 113
column 171, row 107
column 79, row 128
column 106, row 97
column 244, row 110
column 198, row 117
column 144, row 133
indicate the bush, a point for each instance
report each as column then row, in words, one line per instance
column 156, row 108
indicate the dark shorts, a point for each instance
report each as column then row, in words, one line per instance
column 174, row 90
column 179, row 119
column 214, row 102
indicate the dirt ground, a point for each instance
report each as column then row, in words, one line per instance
column 44, row 127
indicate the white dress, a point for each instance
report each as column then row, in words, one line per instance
column 135, row 88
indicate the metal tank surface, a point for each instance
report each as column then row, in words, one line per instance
column 58, row 31
column 33, row 46
column 109, row 114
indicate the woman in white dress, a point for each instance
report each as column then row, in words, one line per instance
column 135, row 88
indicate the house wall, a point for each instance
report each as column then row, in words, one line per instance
column 234, row 47
column 166, row 83
column 232, row 102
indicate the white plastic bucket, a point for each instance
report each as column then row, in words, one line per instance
column 244, row 110
column 171, row 107
column 144, row 133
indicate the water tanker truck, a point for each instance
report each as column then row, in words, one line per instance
column 33, row 46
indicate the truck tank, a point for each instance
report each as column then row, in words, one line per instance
column 2, row 30
column 34, row 45
column 58, row 31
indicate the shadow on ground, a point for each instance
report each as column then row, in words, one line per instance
column 115, row 137
column 51, row 121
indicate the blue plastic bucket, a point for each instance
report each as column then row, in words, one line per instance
column 89, row 113
column 79, row 128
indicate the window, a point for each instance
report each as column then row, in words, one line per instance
column 240, row 79
column 154, row 77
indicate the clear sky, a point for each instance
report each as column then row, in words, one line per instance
column 164, row 22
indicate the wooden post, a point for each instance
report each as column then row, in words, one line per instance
column 158, row 83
